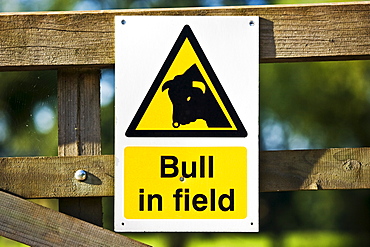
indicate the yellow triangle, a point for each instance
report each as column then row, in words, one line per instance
column 158, row 115
column 186, row 98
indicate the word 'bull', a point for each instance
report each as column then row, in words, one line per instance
column 192, row 99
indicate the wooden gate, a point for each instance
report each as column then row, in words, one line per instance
column 80, row 44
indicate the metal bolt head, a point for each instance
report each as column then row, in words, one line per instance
column 80, row 175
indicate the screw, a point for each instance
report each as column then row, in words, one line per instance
column 251, row 23
column 123, row 22
column 80, row 175
column 182, row 179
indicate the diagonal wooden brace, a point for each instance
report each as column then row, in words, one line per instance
column 36, row 225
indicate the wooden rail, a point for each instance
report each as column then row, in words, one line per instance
column 79, row 44
column 35, row 225
column 50, row 177
column 315, row 32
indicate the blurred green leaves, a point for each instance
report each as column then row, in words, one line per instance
column 22, row 96
column 325, row 102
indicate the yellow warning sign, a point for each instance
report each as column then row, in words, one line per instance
column 161, row 107
column 186, row 98
column 185, row 183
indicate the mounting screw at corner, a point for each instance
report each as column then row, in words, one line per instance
column 80, row 175
column 251, row 23
column 123, row 22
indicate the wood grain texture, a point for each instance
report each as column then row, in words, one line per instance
column 50, row 177
column 336, row 168
column 316, row 32
column 53, row 177
column 35, row 225
column 79, row 131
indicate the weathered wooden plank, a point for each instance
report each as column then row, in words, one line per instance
column 79, row 131
column 313, row 32
column 35, row 225
column 79, row 112
column 347, row 168
column 49, row 177
column 337, row 168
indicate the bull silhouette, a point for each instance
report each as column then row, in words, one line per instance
column 192, row 99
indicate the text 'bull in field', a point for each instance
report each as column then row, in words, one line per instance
column 169, row 168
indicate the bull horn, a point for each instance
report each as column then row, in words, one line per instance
column 200, row 85
column 167, row 84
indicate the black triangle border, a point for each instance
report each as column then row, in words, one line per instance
column 240, row 130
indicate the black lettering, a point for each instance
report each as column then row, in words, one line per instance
column 177, row 196
column 231, row 201
column 202, row 167
column 193, row 170
column 196, row 202
column 172, row 166
column 187, row 200
column 213, row 200
column 141, row 200
column 210, row 165
column 150, row 201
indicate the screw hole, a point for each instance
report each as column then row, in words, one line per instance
column 251, row 23
column 123, row 22
column 123, row 223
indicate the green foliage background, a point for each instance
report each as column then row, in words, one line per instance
column 302, row 105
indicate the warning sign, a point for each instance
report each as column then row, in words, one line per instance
column 186, row 131
column 191, row 182
column 186, row 98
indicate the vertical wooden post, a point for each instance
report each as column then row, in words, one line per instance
column 79, row 131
